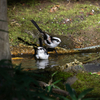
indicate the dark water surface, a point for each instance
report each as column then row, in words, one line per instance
column 56, row 60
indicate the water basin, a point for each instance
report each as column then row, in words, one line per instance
column 56, row 60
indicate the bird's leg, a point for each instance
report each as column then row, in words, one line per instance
column 55, row 51
column 52, row 49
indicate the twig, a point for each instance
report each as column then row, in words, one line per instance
column 58, row 91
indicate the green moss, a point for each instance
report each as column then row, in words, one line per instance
column 85, row 80
column 63, row 76
column 59, row 75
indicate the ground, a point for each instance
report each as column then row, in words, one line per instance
column 76, row 23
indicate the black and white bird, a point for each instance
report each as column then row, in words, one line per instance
column 41, row 52
column 50, row 41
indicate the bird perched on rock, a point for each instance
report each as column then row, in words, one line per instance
column 41, row 52
column 50, row 41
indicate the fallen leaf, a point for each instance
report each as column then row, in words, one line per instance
column 55, row 8
column 91, row 14
column 98, row 73
column 82, row 9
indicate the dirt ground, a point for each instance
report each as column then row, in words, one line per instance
column 90, row 37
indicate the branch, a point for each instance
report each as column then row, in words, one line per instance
column 58, row 91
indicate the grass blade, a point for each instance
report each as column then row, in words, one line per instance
column 84, row 93
column 72, row 94
column 54, row 73
column 56, row 82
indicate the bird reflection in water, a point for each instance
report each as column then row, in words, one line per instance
column 42, row 64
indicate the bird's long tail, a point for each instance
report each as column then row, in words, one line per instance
column 25, row 42
column 35, row 24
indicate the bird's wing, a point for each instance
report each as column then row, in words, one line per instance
column 37, row 56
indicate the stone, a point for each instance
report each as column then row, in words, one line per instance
column 71, row 80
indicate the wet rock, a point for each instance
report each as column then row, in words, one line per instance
column 74, row 69
column 75, row 63
column 72, row 66
column 71, row 80
column 92, row 67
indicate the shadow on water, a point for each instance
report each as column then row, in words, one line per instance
column 54, row 60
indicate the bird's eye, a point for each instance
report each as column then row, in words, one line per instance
column 41, row 48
